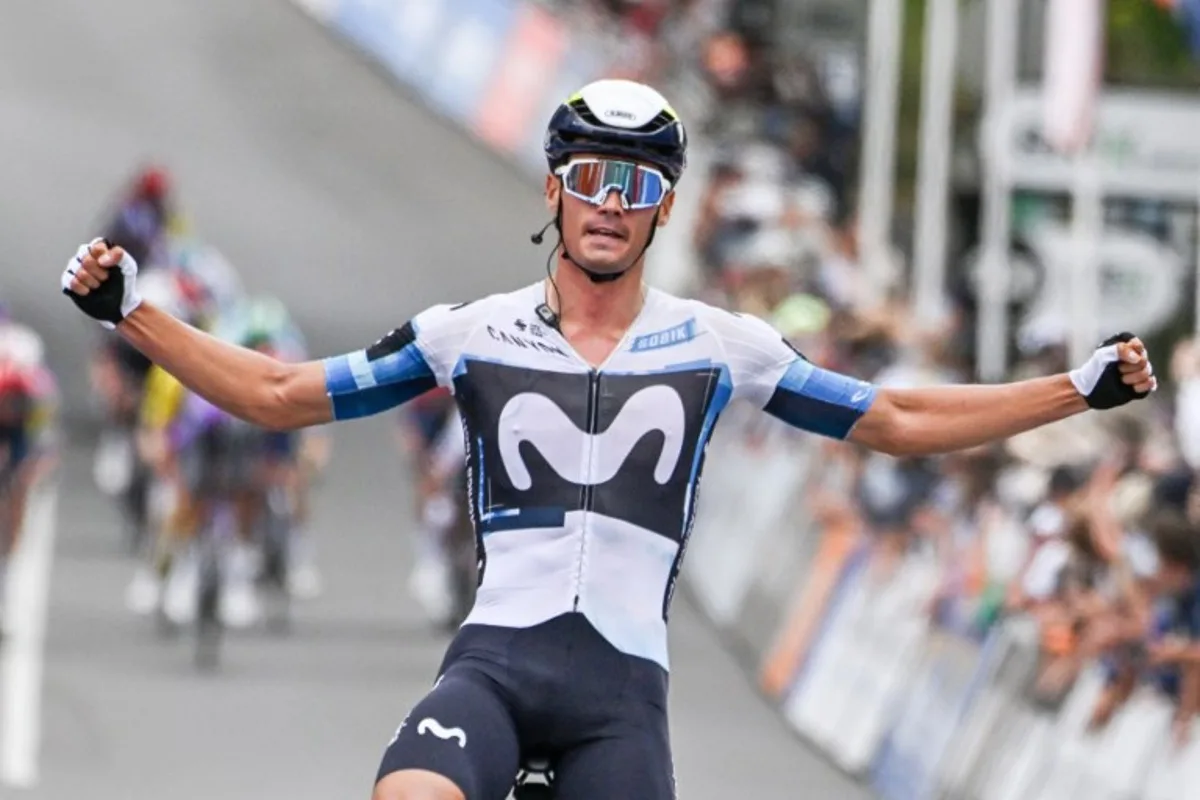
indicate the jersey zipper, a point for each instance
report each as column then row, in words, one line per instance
column 593, row 413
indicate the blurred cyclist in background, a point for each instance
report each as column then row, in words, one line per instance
column 142, row 221
column 190, row 295
column 423, row 423
column 145, row 215
column 177, row 436
column 261, row 461
column 18, row 341
column 158, row 406
column 211, row 283
column 206, row 284
column 288, row 461
column 445, row 570
column 28, row 404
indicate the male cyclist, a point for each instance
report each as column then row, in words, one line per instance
column 140, row 223
column 160, row 405
column 444, row 572
column 587, row 401
column 285, row 461
column 27, row 404
column 19, row 342
column 426, row 424
column 143, row 216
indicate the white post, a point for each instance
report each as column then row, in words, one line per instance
column 1072, row 60
column 1087, row 225
column 1197, row 273
column 877, row 187
column 992, row 332
column 933, row 167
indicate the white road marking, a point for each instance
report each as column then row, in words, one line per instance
column 21, row 652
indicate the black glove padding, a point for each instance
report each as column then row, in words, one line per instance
column 116, row 297
column 1099, row 380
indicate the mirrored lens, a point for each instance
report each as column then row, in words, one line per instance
column 639, row 186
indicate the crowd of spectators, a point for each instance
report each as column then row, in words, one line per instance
column 1089, row 527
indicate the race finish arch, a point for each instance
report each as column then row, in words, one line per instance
column 1126, row 262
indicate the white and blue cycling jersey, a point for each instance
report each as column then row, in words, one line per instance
column 583, row 481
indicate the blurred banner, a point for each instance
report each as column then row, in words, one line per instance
column 901, row 669
column 1073, row 70
column 1149, row 178
column 496, row 67
column 499, row 69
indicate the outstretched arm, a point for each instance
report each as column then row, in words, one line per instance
column 257, row 388
column 276, row 394
column 940, row 419
column 911, row 422
column 102, row 281
column 247, row 384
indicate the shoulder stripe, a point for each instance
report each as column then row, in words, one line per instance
column 393, row 342
column 819, row 401
column 360, row 386
column 360, row 367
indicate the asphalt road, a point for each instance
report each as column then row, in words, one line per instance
column 327, row 185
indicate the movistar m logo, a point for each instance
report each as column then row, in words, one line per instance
column 431, row 725
column 655, row 408
column 683, row 332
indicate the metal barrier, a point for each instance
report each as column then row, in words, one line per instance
column 847, row 651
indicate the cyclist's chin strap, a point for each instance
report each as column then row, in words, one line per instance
column 601, row 277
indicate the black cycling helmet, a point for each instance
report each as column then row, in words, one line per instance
column 618, row 118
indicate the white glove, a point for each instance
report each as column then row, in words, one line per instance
column 1101, row 381
column 116, row 297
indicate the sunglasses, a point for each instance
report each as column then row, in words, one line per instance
column 591, row 180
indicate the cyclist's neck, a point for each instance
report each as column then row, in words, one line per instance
column 605, row 308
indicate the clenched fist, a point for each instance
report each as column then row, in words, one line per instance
column 1117, row 373
column 102, row 281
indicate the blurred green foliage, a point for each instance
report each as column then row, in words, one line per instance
column 1145, row 46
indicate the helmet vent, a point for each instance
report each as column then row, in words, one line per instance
column 661, row 120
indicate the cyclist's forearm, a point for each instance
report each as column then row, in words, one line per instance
column 247, row 384
column 912, row 422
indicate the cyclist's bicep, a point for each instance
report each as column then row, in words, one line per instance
column 772, row 375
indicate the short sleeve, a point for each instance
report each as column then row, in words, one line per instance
column 772, row 375
column 409, row 361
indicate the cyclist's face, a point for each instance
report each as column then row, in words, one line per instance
column 604, row 238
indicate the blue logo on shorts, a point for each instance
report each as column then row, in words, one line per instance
column 683, row 332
